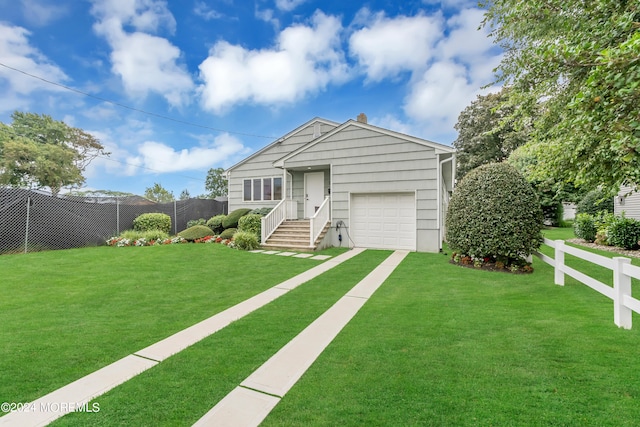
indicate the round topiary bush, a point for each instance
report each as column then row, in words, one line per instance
column 152, row 221
column 251, row 223
column 231, row 221
column 228, row 233
column 494, row 213
column 196, row 232
column 595, row 201
column 215, row 223
column 246, row 240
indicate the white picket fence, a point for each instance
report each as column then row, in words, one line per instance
column 623, row 303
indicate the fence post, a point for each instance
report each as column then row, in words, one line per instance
column 558, row 275
column 175, row 217
column 621, row 287
column 26, row 227
column 117, row 216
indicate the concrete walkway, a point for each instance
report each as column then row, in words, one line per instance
column 77, row 395
column 251, row 402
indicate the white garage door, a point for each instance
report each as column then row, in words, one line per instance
column 384, row 221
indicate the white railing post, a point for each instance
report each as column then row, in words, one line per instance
column 263, row 230
column 558, row 275
column 621, row 287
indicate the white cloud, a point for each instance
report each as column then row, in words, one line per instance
column 449, row 61
column 142, row 15
column 440, row 94
column 305, row 59
column 145, row 62
column 388, row 46
column 267, row 15
column 162, row 158
column 203, row 10
column 288, row 5
column 16, row 52
column 41, row 13
column 465, row 41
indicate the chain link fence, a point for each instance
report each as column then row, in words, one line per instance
column 33, row 221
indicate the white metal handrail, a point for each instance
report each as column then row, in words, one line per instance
column 319, row 221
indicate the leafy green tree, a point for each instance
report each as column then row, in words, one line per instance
column 551, row 192
column 577, row 63
column 216, row 183
column 159, row 194
column 184, row 195
column 484, row 133
column 36, row 150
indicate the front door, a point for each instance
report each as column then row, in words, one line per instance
column 313, row 192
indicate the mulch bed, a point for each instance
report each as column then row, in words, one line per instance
column 623, row 252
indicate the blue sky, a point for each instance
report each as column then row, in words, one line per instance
column 246, row 72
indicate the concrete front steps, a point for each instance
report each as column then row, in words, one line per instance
column 294, row 235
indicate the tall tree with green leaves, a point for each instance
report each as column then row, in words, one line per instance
column 484, row 133
column 38, row 151
column 578, row 63
column 216, row 183
column 184, row 195
column 159, row 194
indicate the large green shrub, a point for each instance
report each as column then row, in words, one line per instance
column 246, row 240
column 595, row 201
column 261, row 211
column 152, row 221
column 251, row 223
column 228, row 233
column 196, row 232
column 584, row 227
column 624, row 233
column 231, row 221
column 215, row 223
column 494, row 212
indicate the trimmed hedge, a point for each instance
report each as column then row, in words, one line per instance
column 624, row 233
column 193, row 222
column 152, row 221
column 228, row 233
column 251, row 223
column 246, row 240
column 231, row 221
column 147, row 235
column 584, row 227
column 215, row 223
column 494, row 212
column 196, row 232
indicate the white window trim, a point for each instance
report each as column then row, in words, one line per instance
column 262, row 180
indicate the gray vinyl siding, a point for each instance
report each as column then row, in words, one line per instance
column 365, row 161
column 261, row 166
column 630, row 204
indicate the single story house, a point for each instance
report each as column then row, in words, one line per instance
column 355, row 184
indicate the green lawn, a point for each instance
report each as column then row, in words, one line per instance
column 443, row 345
column 437, row 344
column 65, row 314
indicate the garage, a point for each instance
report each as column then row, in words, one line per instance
column 384, row 220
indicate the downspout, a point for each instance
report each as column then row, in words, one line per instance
column 439, row 196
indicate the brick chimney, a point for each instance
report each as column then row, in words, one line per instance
column 362, row 118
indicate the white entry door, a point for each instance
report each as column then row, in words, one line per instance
column 313, row 192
